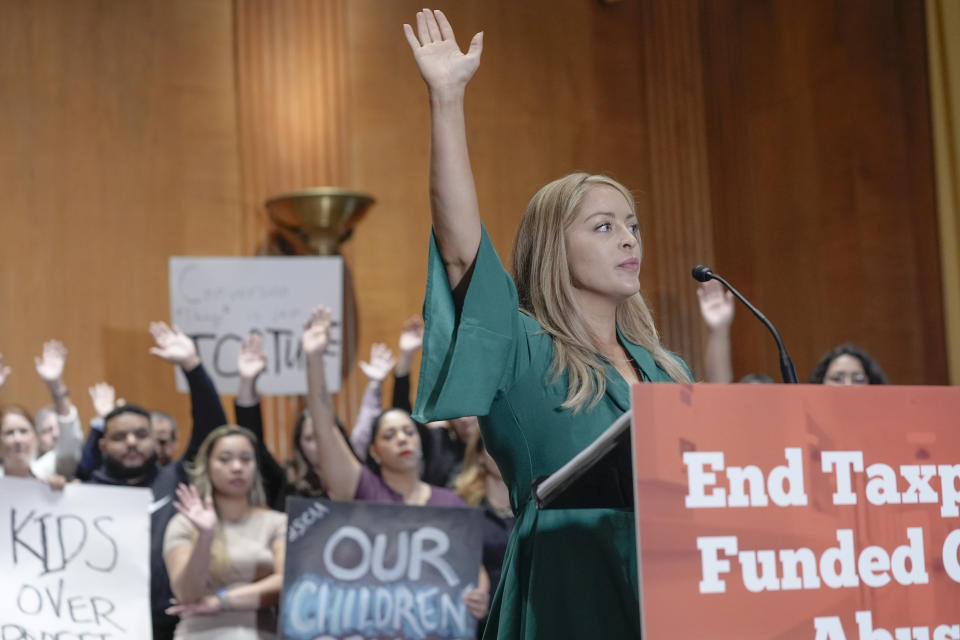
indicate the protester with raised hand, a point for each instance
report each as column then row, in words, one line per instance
column 395, row 448
column 376, row 369
column 130, row 456
column 104, row 399
column 251, row 363
column 67, row 436
column 545, row 357
column 716, row 310
column 224, row 551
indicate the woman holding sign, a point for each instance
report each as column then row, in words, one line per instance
column 225, row 550
column 546, row 358
column 395, row 447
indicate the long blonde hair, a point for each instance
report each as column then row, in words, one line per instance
column 542, row 275
column 471, row 484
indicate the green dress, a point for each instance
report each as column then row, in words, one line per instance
column 567, row 573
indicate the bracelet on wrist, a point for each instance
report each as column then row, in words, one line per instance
column 62, row 392
column 224, row 600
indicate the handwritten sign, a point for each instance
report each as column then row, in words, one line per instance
column 219, row 301
column 367, row 570
column 781, row 511
column 74, row 564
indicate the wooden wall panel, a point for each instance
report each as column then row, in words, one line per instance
column 290, row 102
column 119, row 150
column 822, row 181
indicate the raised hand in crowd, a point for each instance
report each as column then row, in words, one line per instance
column 377, row 369
column 316, row 332
column 338, row 468
column 174, row 346
column 411, row 341
column 60, row 436
column 716, row 309
column 50, row 365
column 4, row 371
column 104, row 399
column 198, row 511
column 251, row 362
column 380, row 364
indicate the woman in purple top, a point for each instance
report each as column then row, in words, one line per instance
column 394, row 447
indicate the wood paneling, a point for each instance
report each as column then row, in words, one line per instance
column 119, row 150
column 291, row 109
column 821, row 180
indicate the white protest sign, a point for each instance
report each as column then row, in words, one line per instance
column 219, row 301
column 74, row 563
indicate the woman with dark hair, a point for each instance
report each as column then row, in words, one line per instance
column 224, row 550
column 847, row 364
column 545, row 358
column 394, row 449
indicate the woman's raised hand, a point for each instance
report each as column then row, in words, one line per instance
column 51, row 363
column 380, row 364
column 716, row 305
column 199, row 512
column 316, row 335
column 252, row 359
column 443, row 66
column 174, row 346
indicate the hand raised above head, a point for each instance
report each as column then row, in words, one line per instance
column 51, row 362
column 411, row 336
column 380, row 364
column 174, row 346
column 716, row 305
column 316, row 333
column 252, row 360
column 438, row 56
column 104, row 398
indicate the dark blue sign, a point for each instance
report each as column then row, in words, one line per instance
column 365, row 570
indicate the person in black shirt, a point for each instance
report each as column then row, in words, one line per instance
column 130, row 457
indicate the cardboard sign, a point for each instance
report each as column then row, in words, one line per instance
column 794, row 511
column 370, row 570
column 74, row 564
column 219, row 301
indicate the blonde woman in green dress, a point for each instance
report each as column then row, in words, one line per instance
column 545, row 358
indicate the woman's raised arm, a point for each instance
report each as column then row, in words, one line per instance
column 453, row 196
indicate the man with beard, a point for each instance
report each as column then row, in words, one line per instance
column 130, row 457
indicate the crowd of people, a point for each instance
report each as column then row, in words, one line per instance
column 217, row 522
column 545, row 355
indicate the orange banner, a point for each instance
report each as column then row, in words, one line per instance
column 807, row 512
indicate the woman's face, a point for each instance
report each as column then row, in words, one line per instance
column 308, row 443
column 18, row 441
column 845, row 370
column 397, row 445
column 232, row 466
column 603, row 245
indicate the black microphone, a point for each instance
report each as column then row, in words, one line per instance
column 702, row 273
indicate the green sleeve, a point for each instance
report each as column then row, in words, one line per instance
column 472, row 353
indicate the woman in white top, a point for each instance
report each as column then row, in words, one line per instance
column 19, row 437
column 224, row 551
